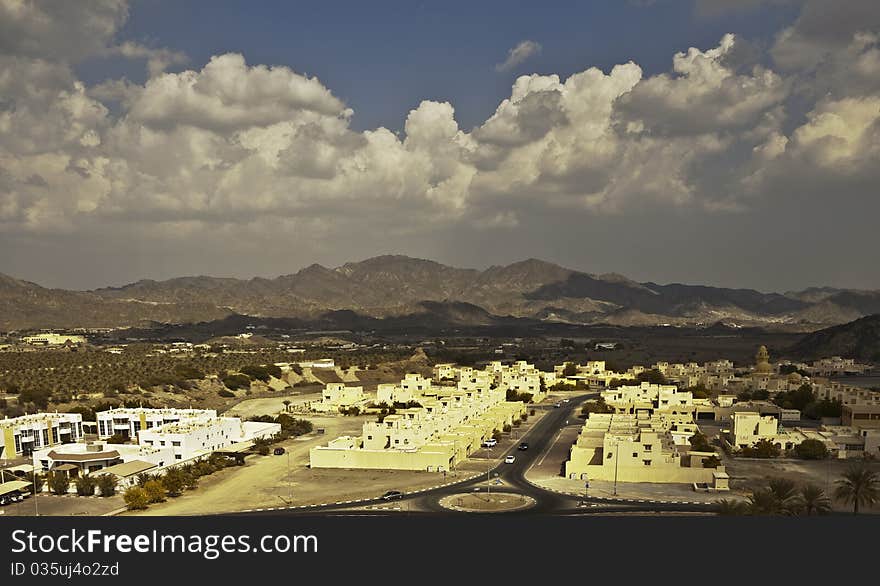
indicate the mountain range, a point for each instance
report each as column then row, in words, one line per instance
column 397, row 286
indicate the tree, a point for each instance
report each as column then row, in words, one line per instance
column 286, row 404
column 512, row 395
column 117, row 438
column 798, row 399
column 174, row 482
column 597, row 406
column 814, row 500
column 155, row 491
column 763, row 448
column 712, row 461
column 36, row 479
column 732, row 507
column 261, row 446
column 653, row 376
column 570, row 369
column 780, row 497
column 107, row 484
column 136, row 498
column 811, row 449
column 859, row 486
column 699, row 442
column 85, row 485
column 59, row 482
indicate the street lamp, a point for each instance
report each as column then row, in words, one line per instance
column 616, row 459
column 489, row 473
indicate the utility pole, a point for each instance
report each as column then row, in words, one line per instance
column 34, row 476
column 289, row 488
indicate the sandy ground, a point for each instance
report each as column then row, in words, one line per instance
column 269, row 405
column 264, row 481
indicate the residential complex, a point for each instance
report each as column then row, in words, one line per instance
column 22, row 436
column 163, row 438
column 448, row 425
column 640, row 448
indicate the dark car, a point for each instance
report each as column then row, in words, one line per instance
column 278, row 451
column 392, row 495
column 523, row 446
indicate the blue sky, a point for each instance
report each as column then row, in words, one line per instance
column 741, row 148
column 383, row 57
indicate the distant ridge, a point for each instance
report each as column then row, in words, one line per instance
column 396, row 286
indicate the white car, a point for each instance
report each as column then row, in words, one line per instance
column 510, row 459
column 490, row 443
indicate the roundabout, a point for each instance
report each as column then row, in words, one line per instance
column 481, row 502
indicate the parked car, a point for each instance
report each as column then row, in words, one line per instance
column 523, row 447
column 490, row 443
column 510, row 459
column 278, row 451
column 557, row 405
column 392, row 495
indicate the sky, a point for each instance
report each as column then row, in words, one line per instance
column 723, row 142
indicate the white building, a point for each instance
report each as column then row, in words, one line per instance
column 337, row 396
column 22, row 436
column 50, row 339
column 196, row 437
column 128, row 421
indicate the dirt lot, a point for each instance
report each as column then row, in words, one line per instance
column 747, row 474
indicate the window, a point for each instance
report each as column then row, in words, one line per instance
column 177, row 456
column 635, row 454
column 608, row 457
column 647, row 447
column 175, row 444
column 646, row 462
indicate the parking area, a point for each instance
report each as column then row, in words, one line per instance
column 46, row 505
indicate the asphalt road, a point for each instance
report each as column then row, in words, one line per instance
column 512, row 480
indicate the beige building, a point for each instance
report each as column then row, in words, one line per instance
column 434, row 437
column 749, row 427
column 639, row 448
column 336, row 396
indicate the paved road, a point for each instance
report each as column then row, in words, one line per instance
column 540, row 438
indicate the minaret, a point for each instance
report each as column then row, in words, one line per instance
column 762, row 361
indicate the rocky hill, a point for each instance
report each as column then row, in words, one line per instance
column 399, row 287
column 859, row 339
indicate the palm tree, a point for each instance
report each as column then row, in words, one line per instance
column 781, row 497
column 859, row 486
column 732, row 507
column 787, row 495
column 814, row 500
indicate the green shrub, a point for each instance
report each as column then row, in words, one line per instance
column 85, row 485
column 107, row 484
column 136, row 498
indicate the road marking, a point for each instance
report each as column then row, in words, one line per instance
column 550, row 448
